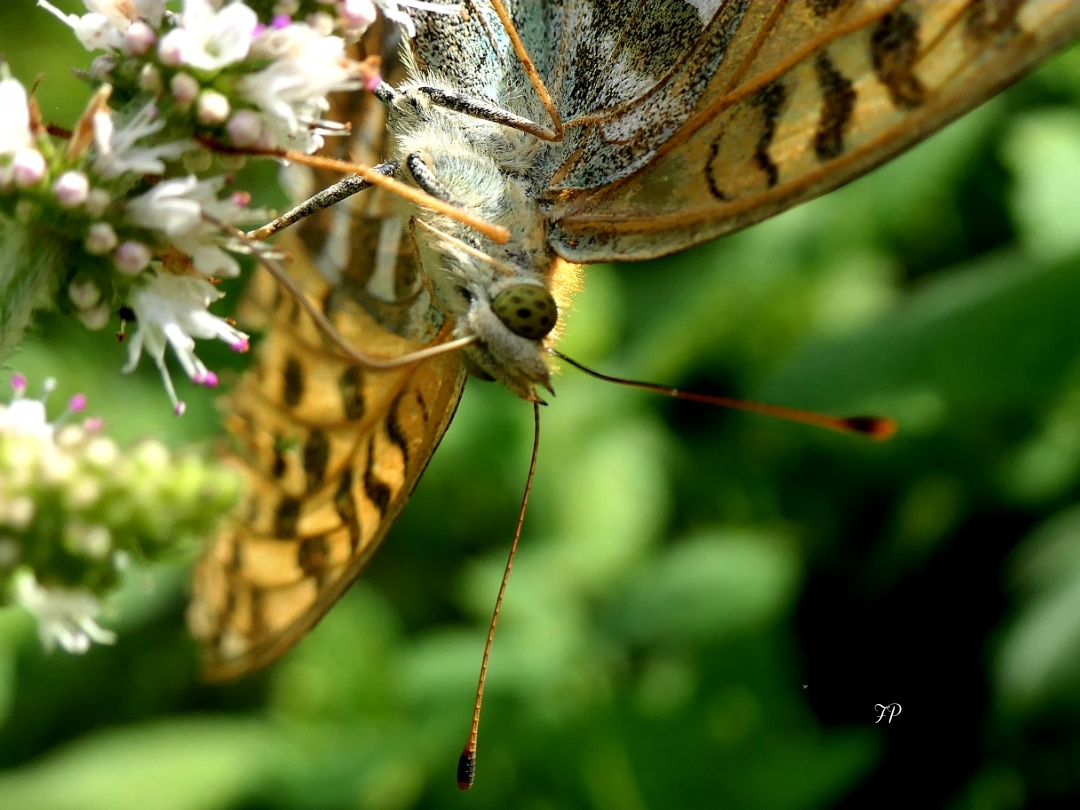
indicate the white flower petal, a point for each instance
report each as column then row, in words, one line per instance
column 65, row 616
column 172, row 310
column 15, row 132
column 216, row 38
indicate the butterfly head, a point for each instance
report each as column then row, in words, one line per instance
column 512, row 318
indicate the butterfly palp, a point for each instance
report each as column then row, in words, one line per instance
column 527, row 310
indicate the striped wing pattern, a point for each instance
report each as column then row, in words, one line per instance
column 330, row 454
column 808, row 95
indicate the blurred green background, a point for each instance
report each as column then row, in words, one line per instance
column 707, row 605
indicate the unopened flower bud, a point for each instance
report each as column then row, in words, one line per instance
column 71, row 189
column 197, row 161
column 244, row 128
column 150, row 78
column 101, row 239
column 322, row 23
column 152, row 455
column 84, row 293
column 101, row 67
column 101, row 452
column 19, row 512
column 266, row 140
column 82, row 492
column 28, row 168
column 184, row 88
column 132, row 258
column 231, row 163
column 97, row 202
column 357, row 13
column 96, row 318
column 139, row 38
column 212, row 109
column 69, row 437
column 93, row 541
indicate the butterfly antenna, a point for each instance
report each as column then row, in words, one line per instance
column 878, row 428
column 466, row 769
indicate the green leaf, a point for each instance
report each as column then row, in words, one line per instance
column 713, row 585
column 193, row 764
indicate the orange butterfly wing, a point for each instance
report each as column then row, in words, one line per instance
column 330, row 454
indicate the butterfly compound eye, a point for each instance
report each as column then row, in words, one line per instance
column 527, row 310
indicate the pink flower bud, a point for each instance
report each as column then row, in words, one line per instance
column 357, row 13
column 84, row 293
column 139, row 38
column 77, row 403
column 18, row 382
column 213, row 108
column 244, row 128
column 184, row 88
column 101, row 239
column 96, row 318
column 71, row 189
column 132, row 258
column 28, row 168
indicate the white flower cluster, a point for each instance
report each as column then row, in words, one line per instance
column 75, row 508
column 261, row 85
column 179, row 217
column 171, row 310
column 201, row 77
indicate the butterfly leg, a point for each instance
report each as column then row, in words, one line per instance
column 478, row 108
column 425, row 178
column 324, row 199
column 471, row 106
column 276, row 268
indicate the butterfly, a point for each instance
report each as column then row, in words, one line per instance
column 588, row 130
